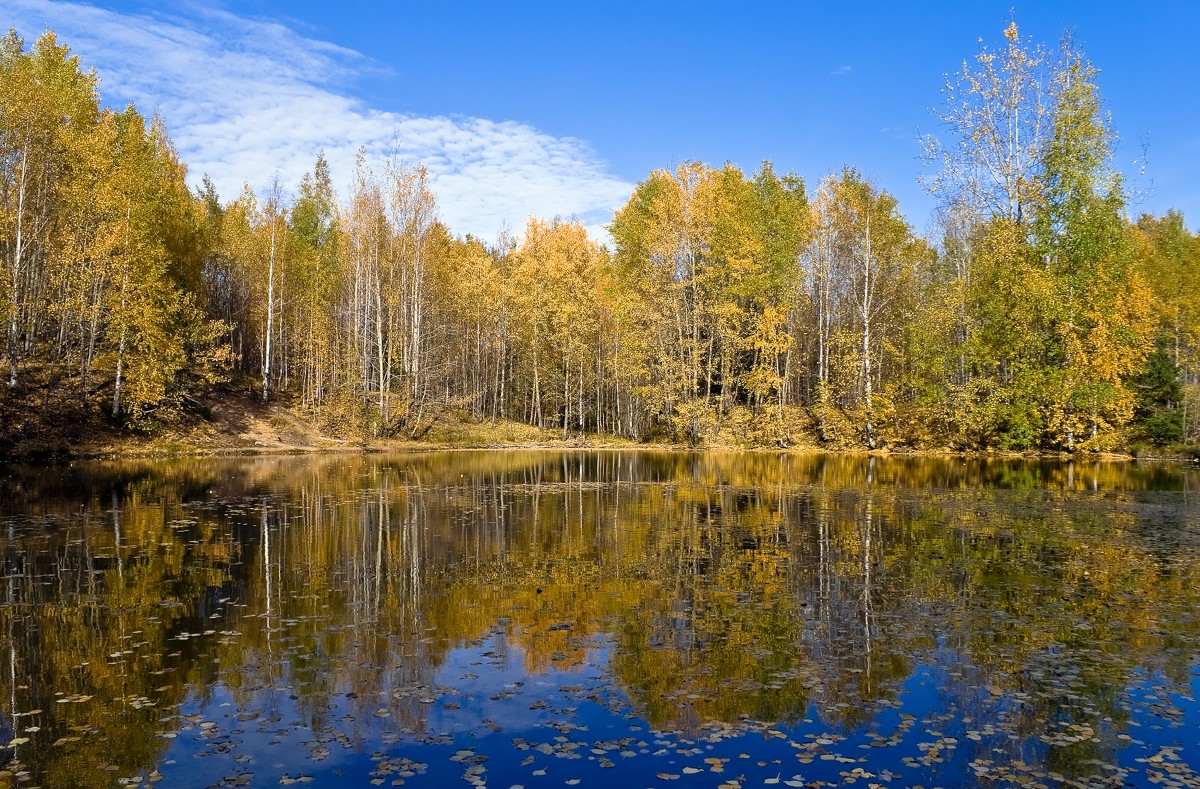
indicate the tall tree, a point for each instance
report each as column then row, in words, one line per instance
column 1055, row 313
column 315, row 229
column 48, row 110
column 412, row 214
column 557, row 272
column 162, row 345
column 997, row 114
column 705, row 252
column 867, row 256
column 1169, row 261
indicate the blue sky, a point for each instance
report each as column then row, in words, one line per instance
column 541, row 108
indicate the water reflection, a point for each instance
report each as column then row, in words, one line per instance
column 174, row 622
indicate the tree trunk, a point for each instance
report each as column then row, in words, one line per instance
column 266, row 371
column 867, row 296
column 116, row 409
column 14, row 328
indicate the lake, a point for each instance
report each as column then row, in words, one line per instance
column 642, row 619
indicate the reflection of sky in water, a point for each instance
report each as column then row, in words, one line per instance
column 525, row 620
column 938, row 731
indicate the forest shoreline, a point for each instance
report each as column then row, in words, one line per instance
column 729, row 309
column 237, row 424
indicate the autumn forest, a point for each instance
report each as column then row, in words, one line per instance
column 727, row 308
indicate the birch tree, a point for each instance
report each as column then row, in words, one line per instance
column 314, row 225
column 1054, row 313
column 412, row 216
column 868, row 257
column 48, row 110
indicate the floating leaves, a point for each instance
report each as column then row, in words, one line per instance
column 692, row 628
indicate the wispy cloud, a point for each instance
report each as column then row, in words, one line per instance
column 841, row 71
column 245, row 99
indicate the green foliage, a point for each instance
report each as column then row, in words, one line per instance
column 1057, row 315
column 1163, row 427
column 1157, row 384
column 1159, row 394
column 730, row 310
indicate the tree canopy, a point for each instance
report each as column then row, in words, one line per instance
column 731, row 308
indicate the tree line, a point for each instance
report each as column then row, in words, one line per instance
column 730, row 307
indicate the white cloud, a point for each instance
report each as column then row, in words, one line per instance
column 841, row 71
column 244, row 99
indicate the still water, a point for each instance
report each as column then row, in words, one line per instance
column 547, row 619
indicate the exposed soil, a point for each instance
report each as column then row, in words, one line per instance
column 44, row 420
column 246, row 423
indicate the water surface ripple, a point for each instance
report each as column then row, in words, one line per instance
column 548, row 619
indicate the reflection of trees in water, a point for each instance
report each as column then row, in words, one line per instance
column 842, row 579
column 92, row 600
column 728, row 586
